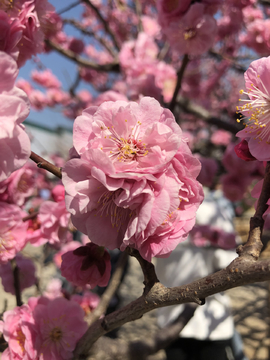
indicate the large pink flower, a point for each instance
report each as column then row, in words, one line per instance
column 124, row 137
column 60, row 325
column 135, row 181
column 257, row 109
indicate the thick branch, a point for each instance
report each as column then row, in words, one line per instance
column 114, row 66
column 44, row 164
column 241, row 271
column 103, row 21
column 180, row 75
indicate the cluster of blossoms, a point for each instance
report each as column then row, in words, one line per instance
column 23, row 24
column 133, row 179
column 43, row 329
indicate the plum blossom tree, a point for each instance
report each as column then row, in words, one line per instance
column 153, row 103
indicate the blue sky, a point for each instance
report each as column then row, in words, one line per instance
column 64, row 69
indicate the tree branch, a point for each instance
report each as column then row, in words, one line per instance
column 16, row 283
column 148, row 269
column 114, row 66
column 103, row 21
column 180, row 75
column 44, row 164
column 254, row 244
column 115, row 349
column 197, row 110
column 111, row 289
column 100, row 39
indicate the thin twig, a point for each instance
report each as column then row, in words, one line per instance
column 110, row 291
column 104, row 22
column 74, row 86
column 69, row 7
column 180, row 75
column 200, row 112
column 100, row 39
column 113, row 66
column 16, row 283
column 44, row 164
column 138, row 6
column 30, row 216
column 148, row 269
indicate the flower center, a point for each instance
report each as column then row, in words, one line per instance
column 123, row 149
column 56, row 334
column 189, row 34
column 256, row 112
column 108, row 207
column 6, row 240
column 23, row 184
column 21, row 339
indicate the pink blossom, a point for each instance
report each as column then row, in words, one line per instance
column 18, row 186
column 76, row 45
column 27, row 276
column 195, row 34
column 72, row 245
column 88, row 301
column 109, row 95
column 60, row 325
column 58, row 193
column 45, row 78
column 208, row 171
column 126, row 192
column 56, row 96
column 171, row 10
column 38, row 100
column 125, row 137
column 14, row 108
column 251, row 14
column 235, row 186
column 51, row 24
column 150, row 26
column 53, row 289
column 257, row 108
column 13, row 231
column 242, row 151
column 136, row 55
column 221, row 137
column 10, row 34
column 257, row 36
column 206, row 235
column 25, row 86
column 54, row 220
column 20, row 333
column 87, row 265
